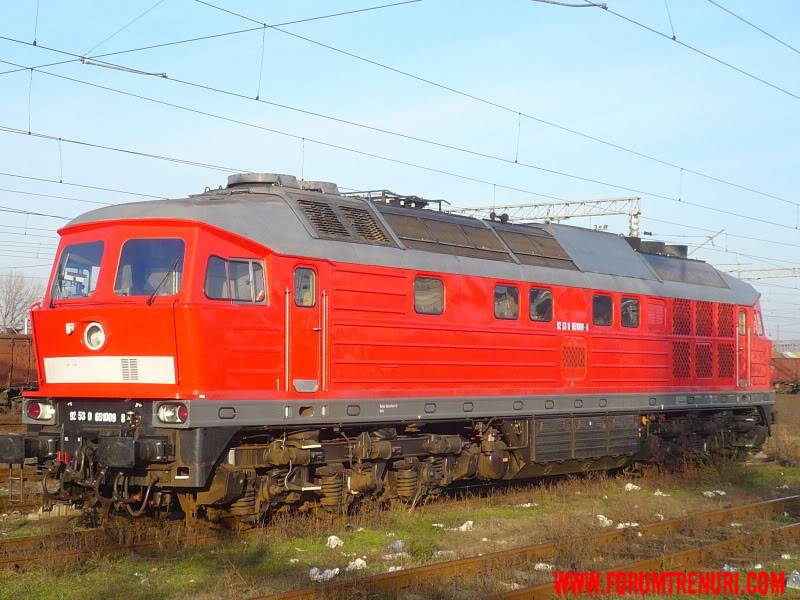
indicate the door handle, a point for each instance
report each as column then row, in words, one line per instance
column 317, row 329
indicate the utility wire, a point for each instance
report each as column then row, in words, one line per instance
column 754, row 26
column 11, row 209
column 423, row 80
column 731, row 66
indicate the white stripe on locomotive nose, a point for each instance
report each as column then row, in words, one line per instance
column 110, row 369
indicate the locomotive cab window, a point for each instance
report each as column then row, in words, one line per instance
column 428, row 296
column 240, row 281
column 602, row 309
column 77, row 271
column 150, row 267
column 305, row 287
column 759, row 323
column 629, row 308
column 541, row 305
column 742, row 323
column 506, row 302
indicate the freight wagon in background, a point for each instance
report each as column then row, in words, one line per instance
column 17, row 367
column 786, row 373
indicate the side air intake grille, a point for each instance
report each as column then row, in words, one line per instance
column 364, row 224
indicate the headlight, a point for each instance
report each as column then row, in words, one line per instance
column 173, row 413
column 94, row 336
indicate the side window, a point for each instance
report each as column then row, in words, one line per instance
column 428, row 296
column 305, row 287
column 237, row 280
column 759, row 324
column 541, row 305
column 630, row 312
column 506, row 302
column 259, row 292
column 216, row 286
column 239, row 274
column 742, row 323
column 602, row 309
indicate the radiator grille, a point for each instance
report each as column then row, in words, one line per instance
column 681, row 317
column 726, row 355
column 725, row 323
column 681, row 360
column 704, row 361
column 703, row 319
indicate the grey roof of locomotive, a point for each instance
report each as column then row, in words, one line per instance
column 268, row 214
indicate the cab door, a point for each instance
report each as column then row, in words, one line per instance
column 305, row 330
column 742, row 349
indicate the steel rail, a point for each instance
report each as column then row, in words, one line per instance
column 393, row 581
column 683, row 558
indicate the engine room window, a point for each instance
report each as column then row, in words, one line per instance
column 742, row 323
column 602, row 309
column 305, row 287
column 630, row 312
column 506, row 302
column 428, row 296
column 77, row 271
column 150, row 267
column 759, row 324
column 237, row 280
column 541, row 308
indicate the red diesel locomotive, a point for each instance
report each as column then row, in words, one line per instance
column 276, row 344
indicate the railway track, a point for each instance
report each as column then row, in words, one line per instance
column 526, row 555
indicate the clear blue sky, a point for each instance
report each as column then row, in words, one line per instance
column 582, row 68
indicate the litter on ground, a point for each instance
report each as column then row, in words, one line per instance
column 547, row 567
column 334, row 542
column 632, row 487
column 356, row 565
column 317, row 574
column 396, row 546
column 604, row 521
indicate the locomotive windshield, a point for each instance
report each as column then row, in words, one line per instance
column 78, row 270
column 150, row 267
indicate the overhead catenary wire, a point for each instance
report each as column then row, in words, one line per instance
column 54, row 196
column 430, row 82
column 754, row 26
column 124, row 27
column 80, row 185
column 229, row 33
column 424, row 140
column 695, row 49
column 501, row 106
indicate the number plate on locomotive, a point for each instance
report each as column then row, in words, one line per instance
column 101, row 417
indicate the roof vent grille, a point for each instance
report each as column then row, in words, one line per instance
column 364, row 224
column 324, row 219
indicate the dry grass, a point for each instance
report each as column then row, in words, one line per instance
column 784, row 446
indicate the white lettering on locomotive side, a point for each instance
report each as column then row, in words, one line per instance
column 571, row 326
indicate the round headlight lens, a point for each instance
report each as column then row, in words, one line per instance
column 94, row 336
